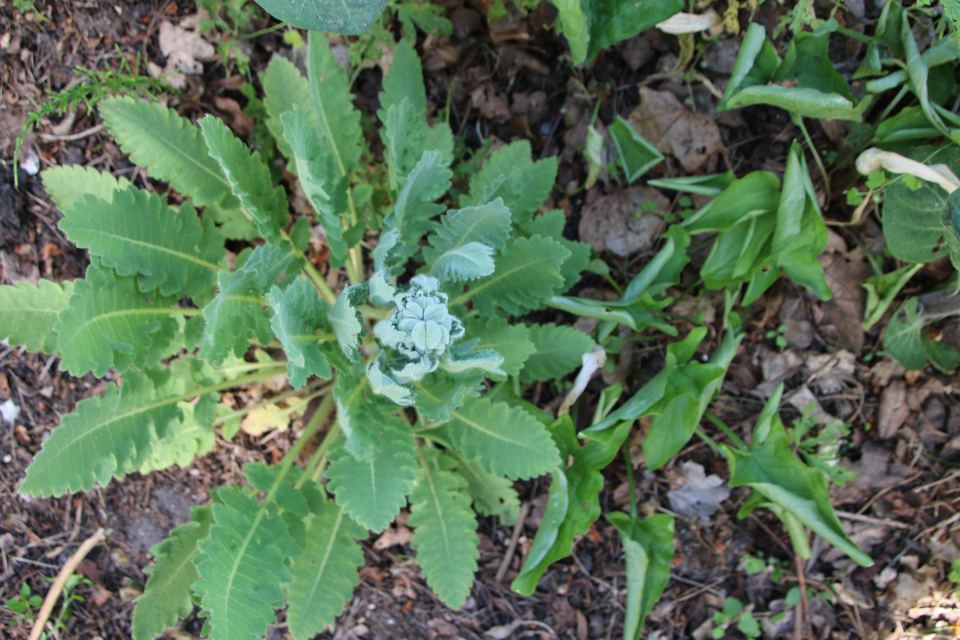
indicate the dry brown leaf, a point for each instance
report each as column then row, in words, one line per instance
column 845, row 309
column 894, row 409
column 488, row 99
column 392, row 537
column 611, row 223
column 233, row 115
column 689, row 136
column 184, row 49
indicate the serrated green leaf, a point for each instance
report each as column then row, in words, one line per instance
column 345, row 319
column 109, row 322
column 166, row 597
column 136, row 233
column 492, row 495
column 510, row 341
column 187, row 438
column 527, row 274
column 404, row 81
column 170, row 147
column 511, row 174
column 441, row 393
column 903, row 337
column 488, row 224
column 373, row 492
column 249, row 179
column 558, row 351
column 324, row 15
column 284, row 87
column 241, row 567
column 361, row 414
column 428, row 180
column 298, row 315
column 319, row 177
column 325, row 574
column 264, row 477
column 332, row 102
column 67, row 183
column 28, row 313
column 504, row 440
column 469, row 262
column 238, row 310
column 444, row 534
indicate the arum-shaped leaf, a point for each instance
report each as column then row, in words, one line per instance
column 444, row 534
column 29, row 312
column 504, row 440
column 903, row 337
column 298, row 315
column 136, row 233
column 166, row 597
column 469, row 262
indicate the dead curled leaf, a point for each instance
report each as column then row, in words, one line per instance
column 488, row 99
column 610, row 223
column 689, row 136
column 696, row 494
column 184, row 49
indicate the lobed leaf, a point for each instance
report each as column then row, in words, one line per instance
column 527, row 274
column 324, row 15
column 512, row 341
column 487, row 224
column 558, row 351
column 492, row 495
column 345, row 319
column 298, row 314
column 441, row 393
column 28, row 313
column 469, row 262
column 511, row 174
column 504, row 440
column 332, row 99
column 428, row 180
column 67, row 183
column 284, row 88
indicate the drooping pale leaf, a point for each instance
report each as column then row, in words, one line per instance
column 66, row 183
column 614, row 20
column 444, row 533
column 239, row 309
column 170, row 147
column 249, row 179
column 298, row 315
column 428, row 180
column 166, row 597
column 109, row 435
column 319, row 176
column 527, row 274
column 469, row 262
column 284, row 87
column 648, row 547
column 137, row 233
column 488, row 224
column 511, row 174
column 441, row 393
column 109, row 322
column 492, row 495
column 504, row 440
column 558, row 351
column 332, row 102
column 241, row 567
column 345, row 319
column 324, row 15
column 512, row 341
column 373, row 492
column 325, row 574
column 28, row 313
column 903, row 336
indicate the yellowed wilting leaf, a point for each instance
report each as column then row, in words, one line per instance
column 689, row 136
column 264, row 418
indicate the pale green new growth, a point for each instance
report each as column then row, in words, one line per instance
column 29, row 312
column 487, row 224
column 469, row 262
column 331, row 100
column 298, row 314
column 345, row 321
column 284, row 87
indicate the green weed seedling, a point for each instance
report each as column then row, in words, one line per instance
column 27, row 604
column 733, row 611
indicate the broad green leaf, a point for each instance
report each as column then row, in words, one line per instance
column 512, row 341
column 298, row 315
column 712, row 185
column 648, row 547
column 940, row 354
column 319, row 177
column 511, row 174
column 919, row 74
column 637, row 314
column 67, row 183
column 614, row 20
column 559, row 351
column 638, row 404
column 504, row 440
column 241, row 567
column 462, row 358
column 755, row 193
column 488, row 224
column 637, row 155
column 332, row 101
column 527, row 274
column 284, row 87
column 575, row 26
column 444, row 533
column 373, row 492
column 806, row 64
column 558, row 505
column 492, row 495
column 324, row 15
column 325, row 574
column 28, row 313
column 428, row 180
column 807, row 102
column 249, row 179
column 345, row 319
column 263, row 477
column 468, row 262
column 753, row 65
column 903, row 337
column 166, row 597
column 109, row 322
column 137, row 233
column 170, row 147
column 441, row 393
column 882, row 289
column 239, row 310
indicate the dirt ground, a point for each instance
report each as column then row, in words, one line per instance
column 506, row 79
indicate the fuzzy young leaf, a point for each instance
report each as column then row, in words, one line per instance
column 512, row 341
column 325, row 574
column 249, row 179
column 169, row 146
column 512, row 175
column 504, row 440
column 488, row 224
column 241, row 567
column 444, row 534
column 238, row 310
column 559, row 350
column 136, row 233
column 67, row 183
column 345, row 319
column 109, row 322
column 298, row 313
column 373, row 492
column 319, row 177
column 469, row 262
column 166, row 597
column 527, row 274
column 332, row 104
column 284, row 87
column 28, row 313
column 428, row 180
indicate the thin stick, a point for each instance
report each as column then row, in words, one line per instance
column 61, row 581
column 805, row 602
column 512, row 546
column 877, row 521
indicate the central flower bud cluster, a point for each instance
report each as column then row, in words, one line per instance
column 421, row 327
